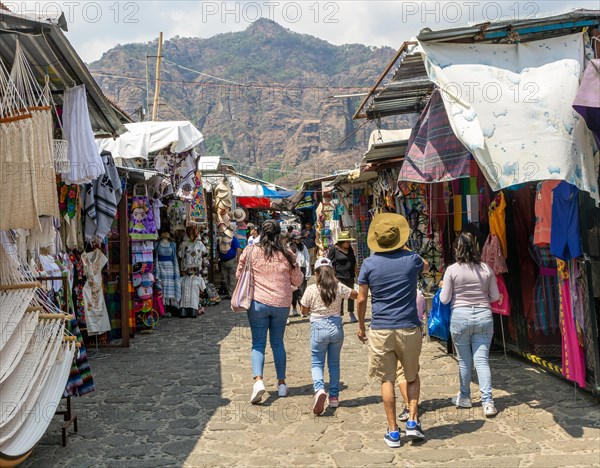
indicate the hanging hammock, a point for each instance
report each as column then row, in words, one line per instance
column 17, row 169
column 29, row 402
column 37, row 421
column 17, row 344
column 41, row 353
column 17, row 288
column 37, row 102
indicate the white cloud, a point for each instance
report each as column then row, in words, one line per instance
column 96, row 26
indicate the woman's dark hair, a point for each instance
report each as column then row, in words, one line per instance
column 270, row 241
column 466, row 250
column 327, row 284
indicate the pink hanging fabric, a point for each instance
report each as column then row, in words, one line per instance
column 502, row 305
column 573, row 357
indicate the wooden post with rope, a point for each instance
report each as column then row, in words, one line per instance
column 157, row 85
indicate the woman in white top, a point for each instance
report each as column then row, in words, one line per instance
column 323, row 301
column 471, row 286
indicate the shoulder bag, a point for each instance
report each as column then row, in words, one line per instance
column 242, row 296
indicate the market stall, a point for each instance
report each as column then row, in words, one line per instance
column 520, row 174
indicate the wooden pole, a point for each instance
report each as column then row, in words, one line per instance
column 124, row 270
column 157, row 86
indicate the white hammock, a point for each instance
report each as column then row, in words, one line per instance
column 37, row 101
column 40, row 354
column 37, row 421
column 17, row 289
column 17, row 170
column 15, row 347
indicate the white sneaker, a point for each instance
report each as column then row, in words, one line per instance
column 295, row 313
column 320, row 399
column 258, row 390
column 461, row 402
column 489, row 410
column 283, row 390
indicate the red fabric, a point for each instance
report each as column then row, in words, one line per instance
column 254, row 202
column 501, row 306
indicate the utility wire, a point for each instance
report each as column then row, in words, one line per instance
column 203, row 74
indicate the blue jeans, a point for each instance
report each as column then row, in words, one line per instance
column 326, row 340
column 263, row 319
column 472, row 329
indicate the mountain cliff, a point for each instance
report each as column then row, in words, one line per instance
column 270, row 112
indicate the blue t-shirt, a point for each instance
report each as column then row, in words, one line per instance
column 392, row 279
column 230, row 255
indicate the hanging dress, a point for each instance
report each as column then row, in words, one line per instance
column 96, row 313
column 498, row 221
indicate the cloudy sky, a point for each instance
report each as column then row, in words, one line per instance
column 96, row 26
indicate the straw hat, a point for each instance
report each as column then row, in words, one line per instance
column 222, row 189
column 223, row 218
column 224, row 246
column 388, row 232
column 239, row 215
column 344, row 236
column 227, row 235
column 166, row 235
column 224, row 203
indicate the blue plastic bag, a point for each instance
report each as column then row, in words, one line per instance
column 439, row 318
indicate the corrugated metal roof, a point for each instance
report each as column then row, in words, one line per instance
column 409, row 89
column 49, row 52
column 503, row 31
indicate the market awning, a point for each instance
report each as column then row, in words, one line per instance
column 254, row 202
column 49, row 52
column 144, row 138
column 387, row 144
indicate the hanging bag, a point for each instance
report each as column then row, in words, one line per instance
column 439, row 318
column 502, row 305
column 243, row 293
column 141, row 220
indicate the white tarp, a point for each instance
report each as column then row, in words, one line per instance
column 240, row 188
column 143, row 138
column 511, row 106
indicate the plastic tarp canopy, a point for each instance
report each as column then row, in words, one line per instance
column 511, row 106
column 267, row 192
column 143, row 138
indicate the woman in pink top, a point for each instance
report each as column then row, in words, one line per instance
column 470, row 285
column 276, row 275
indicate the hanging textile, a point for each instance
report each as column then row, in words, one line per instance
column 141, row 220
column 38, row 102
column 513, row 110
column 492, row 255
column 587, row 101
column 547, row 300
column 96, row 313
column 19, row 207
column 565, row 238
column 573, row 356
column 434, row 153
column 84, row 156
column 498, row 222
column 198, row 205
column 543, row 212
column 101, row 198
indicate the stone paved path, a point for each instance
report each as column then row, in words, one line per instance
column 180, row 397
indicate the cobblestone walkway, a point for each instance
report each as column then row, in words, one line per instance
column 180, row 398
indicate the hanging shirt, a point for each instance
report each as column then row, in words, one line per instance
column 96, row 313
column 565, row 238
column 191, row 287
column 191, row 253
column 498, row 221
column 543, row 212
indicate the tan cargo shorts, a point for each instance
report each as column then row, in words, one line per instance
column 394, row 354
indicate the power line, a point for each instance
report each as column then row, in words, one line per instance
column 203, row 74
column 217, row 85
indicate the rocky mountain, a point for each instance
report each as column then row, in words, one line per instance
column 270, row 110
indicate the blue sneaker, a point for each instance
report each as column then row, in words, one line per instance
column 414, row 431
column 392, row 438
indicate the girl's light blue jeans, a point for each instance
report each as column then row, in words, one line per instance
column 472, row 329
column 326, row 340
column 267, row 319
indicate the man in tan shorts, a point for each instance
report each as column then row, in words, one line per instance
column 394, row 337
